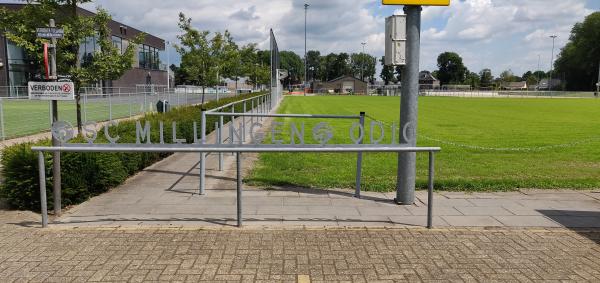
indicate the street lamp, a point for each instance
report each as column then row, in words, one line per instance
column 551, row 62
column 362, row 67
column 305, row 67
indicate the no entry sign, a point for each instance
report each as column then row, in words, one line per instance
column 51, row 90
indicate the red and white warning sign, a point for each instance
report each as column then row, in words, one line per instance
column 51, row 90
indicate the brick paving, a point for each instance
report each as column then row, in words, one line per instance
column 302, row 255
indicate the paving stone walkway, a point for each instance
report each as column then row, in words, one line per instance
column 305, row 255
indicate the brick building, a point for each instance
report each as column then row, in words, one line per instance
column 16, row 69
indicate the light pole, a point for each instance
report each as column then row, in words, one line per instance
column 305, row 67
column 362, row 67
column 551, row 61
column 538, row 68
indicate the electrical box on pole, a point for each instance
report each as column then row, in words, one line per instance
column 395, row 40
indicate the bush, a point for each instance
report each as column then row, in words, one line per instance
column 85, row 175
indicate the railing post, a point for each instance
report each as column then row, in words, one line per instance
column 202, row 154
column 220, row 137
column 244, row 123
column 239, row 188
column 43, row 200
column 251, row 111
column 130, row 104
column 359, row 156
column 430, row 191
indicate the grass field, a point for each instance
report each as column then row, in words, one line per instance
column 487, row 144
column 25, row 117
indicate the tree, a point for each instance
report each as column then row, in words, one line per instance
column 398, row 72
column 313, row 63
column 294, row 64
column 362, row 66
column 579, row 59
column 197, row 60
column 108, row 63
column 451, row 68
column 485, row 78
column 387, row 72
column 178, row 75
column 473, row 80
column 507, row 76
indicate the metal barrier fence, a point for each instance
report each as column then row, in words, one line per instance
column 20, row 116
column 238, row 150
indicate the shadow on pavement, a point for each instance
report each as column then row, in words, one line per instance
column 584, row 223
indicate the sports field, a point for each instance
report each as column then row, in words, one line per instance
column 487, row 144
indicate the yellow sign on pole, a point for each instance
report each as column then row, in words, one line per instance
column 417, row 2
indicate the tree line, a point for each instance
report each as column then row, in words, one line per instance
column 577, row 66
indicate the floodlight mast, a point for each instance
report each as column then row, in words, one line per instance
column 305, row 66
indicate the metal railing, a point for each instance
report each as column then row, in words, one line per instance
column 238, row 150
column 360, row 118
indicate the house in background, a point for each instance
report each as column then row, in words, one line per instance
column 514, row 85
column 547, row 84
column 17, row 69
column 342, row 85
column 428, row 81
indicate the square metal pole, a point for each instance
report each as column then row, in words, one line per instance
column 430, row 191
column 43, row 199
column 202, row 154
column 238, row 159
column 359, row 156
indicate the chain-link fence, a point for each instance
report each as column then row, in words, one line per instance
column 20, row 116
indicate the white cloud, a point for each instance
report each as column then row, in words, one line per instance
column 498, row 34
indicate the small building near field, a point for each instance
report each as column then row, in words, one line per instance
column 341, row 85
column 428, row 81
column 547, row 84
column 514, row 85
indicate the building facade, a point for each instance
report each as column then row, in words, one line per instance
column 343, row 84
column 16, row 69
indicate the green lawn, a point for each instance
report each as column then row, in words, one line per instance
column 25, row 117
column 555, row 142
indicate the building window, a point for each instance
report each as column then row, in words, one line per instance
column 118, row 43
column 87, row 49
column 148, row 57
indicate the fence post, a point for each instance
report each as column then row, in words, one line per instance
column 43, row 200
column 110, row 106
column 202, row 154
column 129, row 99
column 359, row 156
column 2, row 118
column 251, row 111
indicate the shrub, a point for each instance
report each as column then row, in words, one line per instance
column 85, row 175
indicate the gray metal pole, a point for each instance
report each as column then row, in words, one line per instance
column 220, row 137
column 244, row 123
column 238, row 159
column 56, row 177
column 405, row 186
column 202, row 154
column 43, row 200
column 430, row 191
column 305, row 66
column 551, row 62
column 359, row 156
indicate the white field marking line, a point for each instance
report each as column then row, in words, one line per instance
column 476, row 147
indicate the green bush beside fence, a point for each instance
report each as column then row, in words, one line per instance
column 85, row 175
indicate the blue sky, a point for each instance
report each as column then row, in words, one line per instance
column 497, row 34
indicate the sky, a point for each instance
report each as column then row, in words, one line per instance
column 495, row 34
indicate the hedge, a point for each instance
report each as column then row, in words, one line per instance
column 85, row 175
